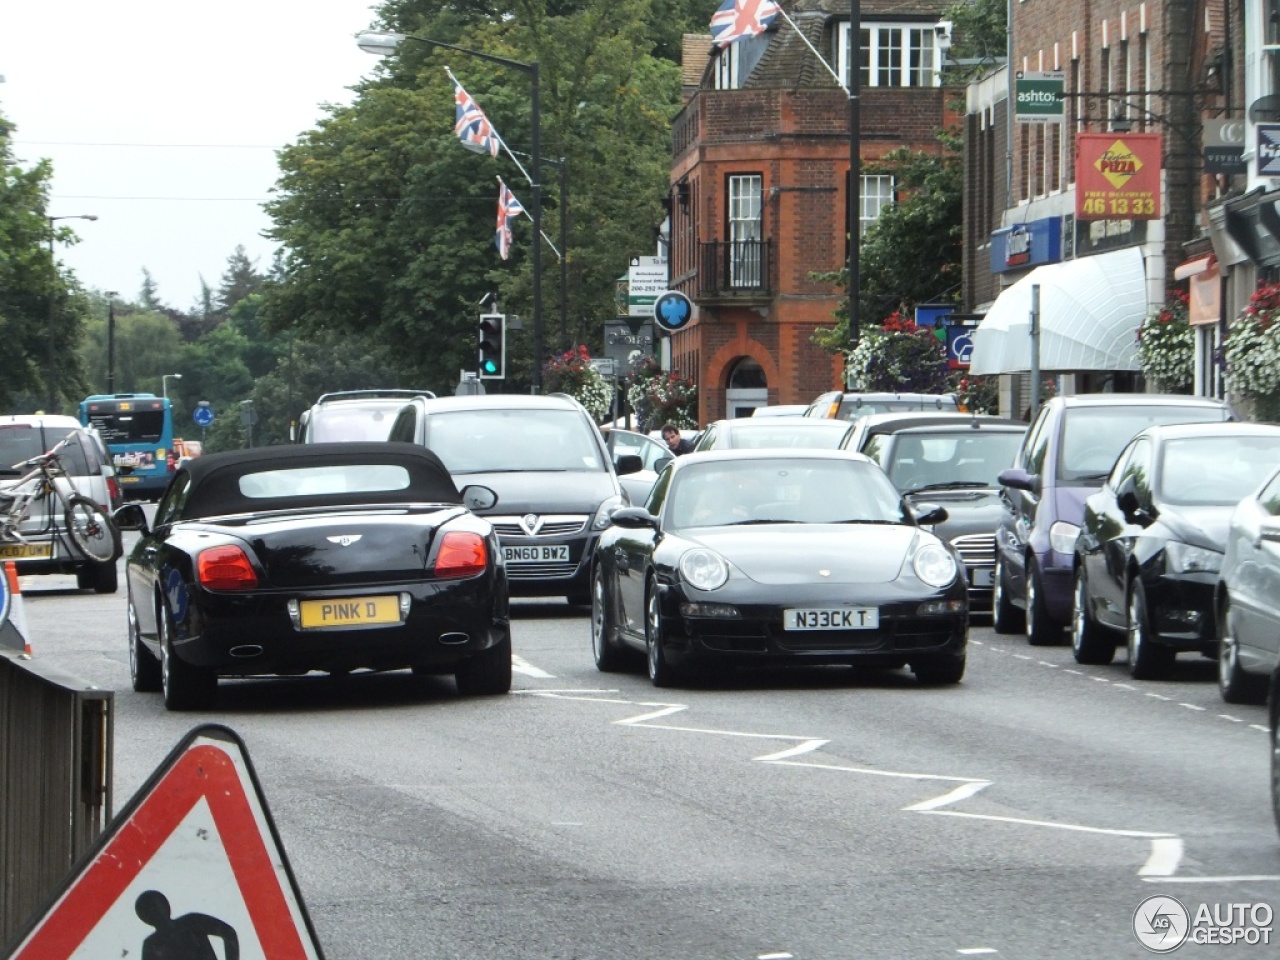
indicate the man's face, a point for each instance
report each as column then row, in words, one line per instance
column 672, row 437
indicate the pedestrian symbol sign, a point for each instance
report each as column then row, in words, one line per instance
column 192, row 867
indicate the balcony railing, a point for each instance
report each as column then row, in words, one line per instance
column 735, row 269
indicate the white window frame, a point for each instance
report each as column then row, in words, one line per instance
column 745, row 206
column 889, row 48
column 877, row 194
column 726, row 69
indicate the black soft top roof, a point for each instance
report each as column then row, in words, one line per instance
column 215, row 477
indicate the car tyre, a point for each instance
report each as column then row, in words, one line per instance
column 661, row 673
column 939, row 671
column 184, row 686
column 1235, row 685
column 144, row 669
column 604, row 643
column 1148, row 660
column 1005, row 617
column 1089, row 642
column 1042, row 630
column 488, row 673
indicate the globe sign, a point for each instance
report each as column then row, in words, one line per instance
column 672, row 311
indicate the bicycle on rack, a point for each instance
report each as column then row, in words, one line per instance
column 85, row 523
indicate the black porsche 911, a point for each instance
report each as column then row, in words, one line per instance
column 328, row 557
column 771, row 557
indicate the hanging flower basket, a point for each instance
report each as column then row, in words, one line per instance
column 899, row 357
column 571, row 372
column 1252, row 352
column 659, row 396
column 1166, row 346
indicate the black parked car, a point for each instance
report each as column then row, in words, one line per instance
column 332, row 557
column 1151, row 541
column 953, row 460
column 772, row 557
column 1248, row 597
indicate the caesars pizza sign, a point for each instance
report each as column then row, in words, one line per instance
column 1118, row 176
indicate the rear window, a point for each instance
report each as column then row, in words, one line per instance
column 21, row 442
column 367, row 420
column 311, row 481
column 853, row 409
column 134, row 426
column 1092, row 437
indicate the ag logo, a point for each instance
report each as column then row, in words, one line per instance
column 1161, row 924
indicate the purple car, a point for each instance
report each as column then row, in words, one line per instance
column 1065, row 458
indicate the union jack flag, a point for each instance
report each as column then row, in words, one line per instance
column 471, row 125
column 741, row 19
column 508, row 208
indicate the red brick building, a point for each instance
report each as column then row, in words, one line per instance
column 760, row 161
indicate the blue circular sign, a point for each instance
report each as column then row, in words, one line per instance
column 672, row 311
column 203, row 416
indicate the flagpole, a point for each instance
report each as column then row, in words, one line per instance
column 813, row 49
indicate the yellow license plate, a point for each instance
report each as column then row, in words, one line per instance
column 26, row 551
column 349, row 612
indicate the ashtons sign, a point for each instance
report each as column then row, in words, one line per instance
column 1038, row 97
column 1118, row 176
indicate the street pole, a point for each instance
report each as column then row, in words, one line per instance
column 855, row 167
column 111, row 341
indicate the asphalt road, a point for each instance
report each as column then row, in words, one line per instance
column 816, row 814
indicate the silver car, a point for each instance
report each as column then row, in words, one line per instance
column 48, row 549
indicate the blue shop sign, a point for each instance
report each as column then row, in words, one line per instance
column 1026, row 245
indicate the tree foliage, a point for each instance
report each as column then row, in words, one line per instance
column 980, row 30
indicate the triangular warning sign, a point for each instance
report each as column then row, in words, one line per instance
column 192, row 863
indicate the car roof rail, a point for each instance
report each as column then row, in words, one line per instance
column 390, row 393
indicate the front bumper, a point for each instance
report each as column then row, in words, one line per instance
column 1181, row 611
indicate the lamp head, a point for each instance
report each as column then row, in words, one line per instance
column 379, row 44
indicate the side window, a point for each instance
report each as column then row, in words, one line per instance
column 1118, row 471
column 403, row 429
column 708, row 442
column 658, row 495
column 170, row 507
column 1037, row 446
column 1139, row 467
column 1269, row 498
column 73, row 456
column 877, row 448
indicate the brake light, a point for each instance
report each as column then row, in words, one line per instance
column 113, row 491
column 171, row 462
column 225, row 568
column 461, row 555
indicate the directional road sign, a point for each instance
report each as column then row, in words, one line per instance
column 203, row 415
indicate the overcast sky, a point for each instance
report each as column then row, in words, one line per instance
column 163, row 119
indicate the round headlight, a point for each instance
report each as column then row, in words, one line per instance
column 704, row 569
column 934, row 565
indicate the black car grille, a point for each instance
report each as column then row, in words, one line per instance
column 540, row 571
column 976, row 549
column 557, row 526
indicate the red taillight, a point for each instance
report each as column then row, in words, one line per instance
column 225, row 568
column 461, row 555
column 171, row 462
column 113, row 491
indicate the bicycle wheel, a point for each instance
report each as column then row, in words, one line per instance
column 91, row 530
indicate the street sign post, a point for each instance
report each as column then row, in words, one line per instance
column 646, row 279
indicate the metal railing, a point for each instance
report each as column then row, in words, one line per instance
column 729, row 268
column 55, row 781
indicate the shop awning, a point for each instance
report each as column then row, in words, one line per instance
column 1090, row 311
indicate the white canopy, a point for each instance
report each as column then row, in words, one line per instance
column 1090, row 311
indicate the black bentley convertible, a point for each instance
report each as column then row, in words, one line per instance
column 771, row 557
column 328, row 557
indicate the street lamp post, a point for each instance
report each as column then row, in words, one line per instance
column 384, row 44
column 53, row 291
column 111, row 341
column 164, row 383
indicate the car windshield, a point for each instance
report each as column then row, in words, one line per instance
column 493, row 440
column 1092, row 437
column 364, row 420
column 824, row 435
column 959, row 458
column 724, row 493
column 1215, row 471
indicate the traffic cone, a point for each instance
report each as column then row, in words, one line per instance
column 14, row 634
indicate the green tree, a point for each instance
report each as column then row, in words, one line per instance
column 979, row 30
column 388, row 223
column 241, row 279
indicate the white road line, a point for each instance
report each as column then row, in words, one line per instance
column 1100, row 679
column 807, row 747
column 1125, row 686
column 1046, row 663
column 1258, row 726
column 1022, row 656
column 974, row 951
column 774, row 956
column 1137, row 834
column 1227, row 716
column 1157, row 696
column 520, row 665
column 1078, row 673
column 977, row 643
column 542, row 691
column 664, row 712
column 1191, row 706
column 1253, row 878
column 962, row 792
column 878, row 773
column 1166, row 854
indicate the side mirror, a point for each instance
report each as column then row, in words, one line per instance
column 928, row 514
column 1129, row 504
column 661, row 464
column 131, row 517
column 633, row 518
column 477, row 497
column 1269, row 532
column 1019, row 479
column 628, row 463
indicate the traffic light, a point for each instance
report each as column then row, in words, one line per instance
column 493, row 346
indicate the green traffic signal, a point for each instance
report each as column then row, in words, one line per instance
column 492, row 346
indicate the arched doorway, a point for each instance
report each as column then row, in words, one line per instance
column 747, row 389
